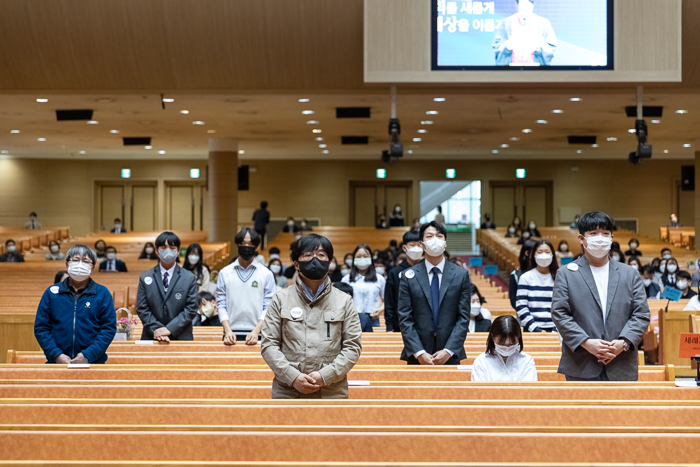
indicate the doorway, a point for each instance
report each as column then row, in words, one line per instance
column 135, row 203
column 186, row 206
column 684, row 205
column 369, row 200
column 527, row 200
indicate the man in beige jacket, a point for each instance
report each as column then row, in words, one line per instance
column 311, row 337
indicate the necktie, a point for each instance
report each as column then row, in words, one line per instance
column 165, row 280
column 435, row 293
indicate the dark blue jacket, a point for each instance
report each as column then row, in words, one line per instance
column 69, row 325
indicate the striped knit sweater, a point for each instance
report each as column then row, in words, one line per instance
column 534, row 302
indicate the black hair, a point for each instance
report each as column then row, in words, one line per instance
column 474, row 290
column 439, row 208
column 411, row 236
column 98, row 241
column 595, row 220
column 274, row 251
column 371, row 274
column 615, row 246
column 33, row 214
column 145, row 255
column 343, row 287
column 684, row 275
column 59, row 276
column 506, row 326
column 666, row 273
column 254, row 237
column 525, row 253
column 54, row 242
column 276, row 260
column 647, row 268
column 204, row 296
column 634, row 258
column 111, row 247
column 438, row 226
column 656, row 264
column 263, row 205
column 666, row 249
column 393, row 243
column 9, row 240
column 311, row 243
column 167, row 237
column 633, row 240
column 553, row 266
column 116, row 219
column 196, row 269
column 563, row 242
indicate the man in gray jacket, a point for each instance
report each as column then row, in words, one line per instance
column 167, row 297
column 600, row 309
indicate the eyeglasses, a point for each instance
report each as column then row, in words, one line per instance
column 321, row 255
column 80, row 260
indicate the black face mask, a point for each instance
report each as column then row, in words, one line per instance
column 246, row 252
column 314, row 269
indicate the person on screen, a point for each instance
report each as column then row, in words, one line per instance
column 525, row 38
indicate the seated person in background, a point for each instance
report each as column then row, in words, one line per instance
column 480, row 317
column 683, row 284
column 396, row 217
column 12, row 256
column 381, row 222
column 100, row 247
column 666, row 254
column 343, row 287
column 291, row 227
column 244, row 291
column 669, row 276
column 32, row 223
column 617, row 255
column 311, row 338
column 274, row 253
column 633, row 251
column 563, row 250
column 574, row 224
column 207, row 314
column 635, row 263
column 334, row 271
column 75, row 321
column 512, row 232
column 504, row 359
column 487, row 224
column 651, row 287
column 380, row 267
column 166, row 301
column 55, row 253
column 118, row 227
column 290, row 271
column 526, row 235
column 60, row 277
column 194, row 264
column 275, row 267
column 304, row 225
column 532, row 228
column 112, row 264
column 518, row 224
column 344, row 270
column 148, row 252
column 534, row 299
column 656, row 263
column 416, row 224
column 673, row 222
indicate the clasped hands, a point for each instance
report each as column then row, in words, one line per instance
column 64, row 359
column 438, row 358
column 307, row 384
column 162, row 334
column 603, row 350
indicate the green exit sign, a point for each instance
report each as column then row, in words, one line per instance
column 450, row 173
column 520, row 173
column 381, row 173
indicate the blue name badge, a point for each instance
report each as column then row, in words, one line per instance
column 565, row 261
column 672, row 294
column 490, row 270
column 475, row 262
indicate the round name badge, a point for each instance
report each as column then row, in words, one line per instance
column 178, row 296
column 410, row 274
column 572, row 266
column 148, row 280
column 296, row 312
column 54, row 289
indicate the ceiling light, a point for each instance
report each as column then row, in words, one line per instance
column 687, row 145
column 168, row 99
column 303, row 100
column 198, row 122
column 323, row 146
column 422, row 131
column 557, row 111
column 114, row 131
column 417, row 140
column 184, row 112
column 92, row 122
column 211, row 131
column 681, row 112
column 161, row 152
column 543, row 122
column 595, row 146
column 82, row 152
column 515, row 138
column 307, row 112
column 312, row 122
column 14, row 131
column 4, row 151
column 325, row 151
column 42, row 100
column 495, row 151
column 665, row 151
column 426, row 122
column 432, row 112
column 148, row 147
column 41, row 139
column 316, row 130
column 527, row 130
column 612, row 138
column 579, row 151
column 575, row 99
column 410, row 151
column 320, row 138
column 241, row 152
column 656, row 121
column 632, row 130
column 505, row 146
column 439, row 99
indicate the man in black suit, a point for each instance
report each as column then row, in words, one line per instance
column 411, row 246
column 111, row 262
column 434, row 304
column 167, row 296
column 118, row 227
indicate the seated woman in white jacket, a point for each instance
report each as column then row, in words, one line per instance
column 504, row 359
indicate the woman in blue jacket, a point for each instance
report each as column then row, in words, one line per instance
column 76, row 320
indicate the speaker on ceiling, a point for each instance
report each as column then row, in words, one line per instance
column 243, row 180
column 687, row 178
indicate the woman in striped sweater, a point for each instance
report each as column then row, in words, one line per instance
column 534, row 298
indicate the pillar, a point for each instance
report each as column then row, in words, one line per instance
column 223, row 189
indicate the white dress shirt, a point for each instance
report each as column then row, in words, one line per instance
column 429, row 266
column 519, row 367
column 170, row 273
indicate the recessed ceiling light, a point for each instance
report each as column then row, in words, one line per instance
column 687, row 145
column 557, row 111
column 505, row 146
column 41, row 139
column 681, row 112
column 417, row 140
column 665, row 151
column 656, row 121
column 307, row 112
column 439, row 99
column 422, row 131
column 241, row 152
column 426, row 122
column 184, row 112
column 325, row 151
column 14, row 131
column 42, row 100
column 161, row 152
column 515, row 138
column 211, row 131
column 148, row 147
column 92, row 122
column 631, row 130
column 114, row 131
column 527, row 130
column 612, row 138
column 316, row 130
column 303, row 100
column 198, row 122
column 4, row 151
column 168, row 99
column 495, row 151
column 312, row 122
column 542, row 122
column 104, row 100
column 579, row 151
column 575, row 99
column 81, row 152
column 410, row 151
column 323, row 146
column 432, row 112
column 595, row 145
column 320, row 138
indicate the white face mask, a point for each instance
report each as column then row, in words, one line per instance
column 435, row 246
column 512, row 230
column 532, row 226
column 415, row 253
column 348, row 261
column 260, row 259
column 290, row 223
column 667, row 256
column 475, row 310
column 671, row 268
column 682, row 285
column 633, row 246
column 598, row 245
column 193, row 259
column 380, row 270
column 564, row 247
column 362, row 263
column 111, row 256
column 662, row 268
column 167, row 255
column 526, row 235
column 54, row 248
column 543, row 260
column 507, row 350
column 646, row 282
column 208, row 310
column 149, row 251
column 344, row 272
column 275, row 268
column 11, row 248
column 79, row 271
column 616, row 258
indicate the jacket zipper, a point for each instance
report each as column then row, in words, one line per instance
column 75, row 314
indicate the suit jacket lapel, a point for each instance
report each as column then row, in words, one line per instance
column 173, row 281
column 613, row 280
column 447, row 275
column 422, row 276
column 585, row 270
column 158, row 278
